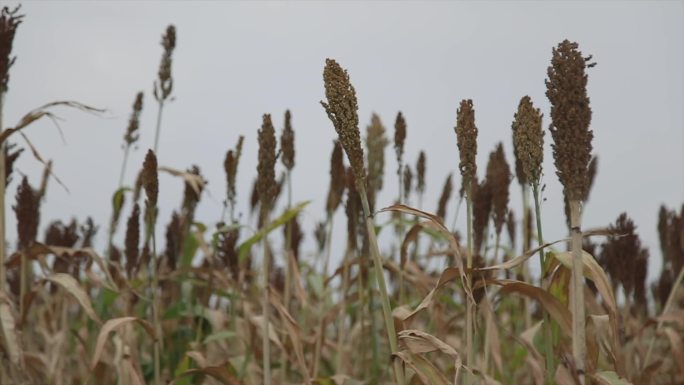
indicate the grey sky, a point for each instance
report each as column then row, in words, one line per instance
column 237, row 60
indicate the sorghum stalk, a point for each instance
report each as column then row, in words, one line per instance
column 528, row 140
column 570, row 119
column 9, row 21
column 266, row 186
column 342, row 110
column 150, row 183
column 466, row 135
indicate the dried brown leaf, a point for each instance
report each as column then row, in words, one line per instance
column 9, row 332
column 70, row 284
column 112, row 325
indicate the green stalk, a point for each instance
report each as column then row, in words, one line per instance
column 470, row 359
column 123, row 165
column 548, row 337
column 380, row 276
column 578, row 321
column 156, row 133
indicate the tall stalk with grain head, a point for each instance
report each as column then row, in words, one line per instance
column 9, row 21
column 342, row 110
column 528, row 142
column 266, row 187
column 466, row 135
column 570, row 118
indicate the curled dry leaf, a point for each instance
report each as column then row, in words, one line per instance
column 112, row 325
column 44, row 112
column 71, row 285
column 195, row 181
column 556, row 310
column 418, row 342
column 519, row 260
column 426, row 372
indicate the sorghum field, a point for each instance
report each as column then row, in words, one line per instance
column 244, row 301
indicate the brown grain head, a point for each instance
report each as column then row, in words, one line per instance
column 482, row 208
column 164, row 84
column 230, row 166
column 566, row 88
column 174, row 238
column 511, row 228
column 226, row 249
column 399, row 136
column 663, row 286
column 420, row 170
column 408, row 181
column 254, row 197
column 337, row 178
column 342, row 109
column 664, row 220
column 466, row 136
column 191, row 197
column 27, row 213
column 640, row 276
column 376, row 141
column 132, row 241
column 296, row 235
column 528, row 142
column 621, row 252
column 9, row 21
column 676, row 241
column 287, row 143
column 499, row 178
column 132, row 134
column 444, row 198
column 150, row 178
column 11, row 155
column 266, row 183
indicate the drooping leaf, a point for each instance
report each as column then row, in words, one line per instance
column 72, row 286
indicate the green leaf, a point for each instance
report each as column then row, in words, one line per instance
column 118, row 198
column 182, row 367
column 190, row 246
column 259, row 235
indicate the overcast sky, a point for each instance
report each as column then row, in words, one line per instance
column 235, row 61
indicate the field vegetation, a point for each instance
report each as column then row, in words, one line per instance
column 246, row 301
